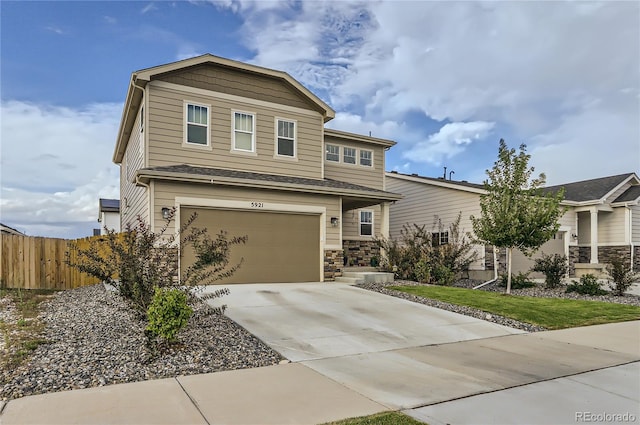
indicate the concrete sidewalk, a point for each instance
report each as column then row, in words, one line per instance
column 598, row 364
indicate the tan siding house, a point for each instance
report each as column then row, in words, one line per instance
column 611, row 202
column 244, row 148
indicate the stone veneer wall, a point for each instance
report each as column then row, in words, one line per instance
column 574, row 257
column 502, row 259
column 584, row 254
column 606, row 253
column 333, row 263
column 359, row 253
column 636, row 259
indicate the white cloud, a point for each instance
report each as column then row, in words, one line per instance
column 532, row 68
column 56, row 163
column 355, row 124
column 148, row 8
column 448, row 142
column 55, row 29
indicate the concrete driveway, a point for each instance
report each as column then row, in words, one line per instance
column 310, row 321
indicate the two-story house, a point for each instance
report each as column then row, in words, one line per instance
column 245, row 147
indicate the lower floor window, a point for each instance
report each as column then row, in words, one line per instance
column 366, row 223
column 440, row 238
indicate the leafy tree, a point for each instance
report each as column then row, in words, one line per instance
column 515, row 213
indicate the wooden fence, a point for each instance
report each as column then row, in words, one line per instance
column 40, row 263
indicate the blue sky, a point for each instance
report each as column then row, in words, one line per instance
column 446, row 80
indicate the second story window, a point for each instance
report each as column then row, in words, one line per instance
column 349, row 155
column 366, row 158
column 243, row 132
column 286, row 142
column 366, row 223
column 197, row 124
column 332, row 153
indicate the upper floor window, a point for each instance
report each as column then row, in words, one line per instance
column 366, row 223
column 197, row 124
column 243, row 131
column 366, row 158
column 349, row 155
column 333, row 153
column 286, row 143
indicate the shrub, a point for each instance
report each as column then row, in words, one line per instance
column 140, row 260
column 554, row 267
column 588, row 285
column 442, row 275
column 518, row 281
column 422, row 272
column 168, row 313
column 621, row 274
column 414, row 245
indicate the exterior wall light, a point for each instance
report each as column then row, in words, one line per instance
column 166, row 213
column 335, row 221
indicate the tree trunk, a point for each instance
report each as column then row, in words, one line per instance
column 509, row 270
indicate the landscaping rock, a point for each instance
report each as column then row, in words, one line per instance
column 93, row 339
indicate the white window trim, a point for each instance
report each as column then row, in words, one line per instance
column 185, row 143
column 356, row 157
column 360, row 157
column 252, row 151
column 325, row 153
column 295, row 140
column 360, row 223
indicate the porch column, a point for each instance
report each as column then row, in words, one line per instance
column 384, row 220
column 594, row 235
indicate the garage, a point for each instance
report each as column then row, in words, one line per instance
column 522, row 263
column 282, row 247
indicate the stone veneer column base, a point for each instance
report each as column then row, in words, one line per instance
column 360, row 253
column 333, row 264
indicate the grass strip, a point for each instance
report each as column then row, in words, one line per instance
column 551, row 313
column 385, row 418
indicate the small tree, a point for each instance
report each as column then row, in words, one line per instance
column 621, row 274
column 554, row 267
column 514, row 213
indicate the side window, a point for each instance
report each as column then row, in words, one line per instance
column 286, row 139
column 366, row 223
column 243, row 132
column 440, row 238
column 333, row 153
column 349, row 155
column 197, row 123
column 366, row 158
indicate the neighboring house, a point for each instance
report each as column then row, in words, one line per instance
column 6, row 230
column 109, row 215
column 602, row 219
column 245, row 148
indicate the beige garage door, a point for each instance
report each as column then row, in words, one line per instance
column 282, row 247
column 522, row 263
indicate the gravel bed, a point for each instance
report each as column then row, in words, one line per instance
column 537, row 291
column 8, row 316
column 94, row 339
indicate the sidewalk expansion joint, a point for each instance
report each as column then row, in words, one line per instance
column 195, row 403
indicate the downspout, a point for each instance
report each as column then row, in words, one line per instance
column 495, row 270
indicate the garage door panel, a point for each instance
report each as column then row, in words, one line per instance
column 281, row 247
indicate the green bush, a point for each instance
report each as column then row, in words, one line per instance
column 423, row 272
column 554, row 267
column 518, row 281
column 168, row 313
column 443, row 275
column 623, row 277
column 588, row 285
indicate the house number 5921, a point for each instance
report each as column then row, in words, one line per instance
column 257, row 205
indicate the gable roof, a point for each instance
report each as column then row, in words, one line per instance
column 593, row 189
column 139, row 80
column 451, row 184
column 10, row 230
column 629, row 195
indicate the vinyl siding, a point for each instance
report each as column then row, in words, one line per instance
column 611, row 227
column 133, row 199
column 351, row 223
column 238, row 83
column 166, row 192
column 618, row 192
column 584, row 227
column 166, row 134
column 635, row 224
column 353, row 173
column 422, row 202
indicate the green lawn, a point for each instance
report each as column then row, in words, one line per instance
column 386, row 418
column 551, row 313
